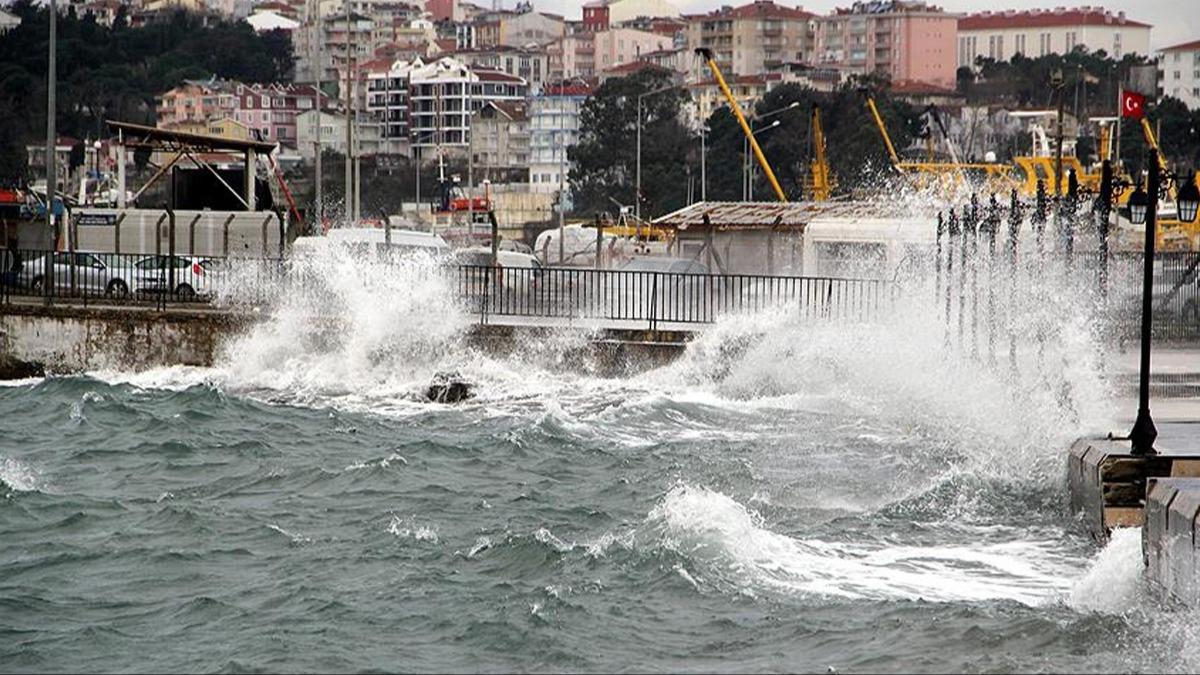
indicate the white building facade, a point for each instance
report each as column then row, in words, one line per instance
column 553, row 128
column 1001, row 35
column 1179, row 72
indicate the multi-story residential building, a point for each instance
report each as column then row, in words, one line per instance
column 553, row 128
column 499, row 142
column 196, row 101
column 1179, row 72
column 602, row 14
column 268, row 111
column 520, row 27
column 1002, row 35
column 586, row 54
column 333, row 36
column 369, row 139
column 904, row 40
column 103, row 11
column 752, row 38
column 747, row 89
column 532, row 65
column 431, row 103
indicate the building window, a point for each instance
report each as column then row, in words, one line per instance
column 1043, row 44
column 1070, row 41
column 1021, row 44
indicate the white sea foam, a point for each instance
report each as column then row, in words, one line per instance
column 17, row 476
column 409, row 528
column 1114, row 583
column 715, row 531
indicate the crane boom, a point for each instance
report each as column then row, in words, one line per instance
column 1153, row 143
column 887, row 140
column 822, row 183
column 707, row 55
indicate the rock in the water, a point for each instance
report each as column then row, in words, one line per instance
column 448, row 388
column 13, row 369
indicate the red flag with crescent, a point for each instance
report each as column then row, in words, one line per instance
column 1133, row 105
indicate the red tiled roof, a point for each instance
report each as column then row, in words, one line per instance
column 631, row 67
column 381, row 65
column 919, row 87
column 759, row 9
column 496, row 76
column 1194, row 45
column 576, row 88
column 513, row 110
column 446, row 44
column 1046, row 18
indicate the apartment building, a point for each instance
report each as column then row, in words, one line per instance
column 267, row 111
column 601, row 15
column 587, row 54
column 1179, row 72
column 499, row 141
column 431, row 103
column 553, row 128
column 529, row 64
column 1004, row 34
column 904, row 40
column 751, row 38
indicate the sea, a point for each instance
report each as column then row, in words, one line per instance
column 787, row 495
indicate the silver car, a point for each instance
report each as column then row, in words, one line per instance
column 92, row 274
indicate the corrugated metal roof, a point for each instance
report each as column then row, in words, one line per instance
column 751, row 215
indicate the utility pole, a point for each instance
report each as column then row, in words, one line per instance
column 562, row 161
column 320, row 205
column 51, row 135
column 703, row 165
column 349, row 189
column 1056, row 81
column 470, row 160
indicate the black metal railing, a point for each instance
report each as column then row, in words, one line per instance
column 641, row 298
column 655, row 298
column 128, row 278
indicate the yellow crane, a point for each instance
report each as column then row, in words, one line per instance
column 820, row 182
column 707, row 55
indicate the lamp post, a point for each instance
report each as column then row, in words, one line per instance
column 748, row 166
column 637, row 196
column 1143, row 208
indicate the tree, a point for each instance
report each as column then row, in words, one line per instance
column 115, row 73
column 605, row 159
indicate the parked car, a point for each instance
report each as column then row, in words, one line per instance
column 182, row 277
column 94, row 273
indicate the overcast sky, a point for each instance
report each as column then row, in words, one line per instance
column 1174, row 21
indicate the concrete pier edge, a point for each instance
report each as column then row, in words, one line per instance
column 1110, row 488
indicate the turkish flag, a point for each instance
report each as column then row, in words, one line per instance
column 1133, row 105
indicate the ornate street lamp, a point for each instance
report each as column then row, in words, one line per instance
column 1189, row 200
column 1138, row 201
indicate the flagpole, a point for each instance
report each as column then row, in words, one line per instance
column 1120, row 116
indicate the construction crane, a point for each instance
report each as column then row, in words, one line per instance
column 707, row 55
column 820, row 181
column 1000, row 173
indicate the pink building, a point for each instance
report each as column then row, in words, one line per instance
column 904, row 40
column 269, row 111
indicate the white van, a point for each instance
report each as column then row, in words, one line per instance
column 870, row 248
column 367, row 238
column 518, row 271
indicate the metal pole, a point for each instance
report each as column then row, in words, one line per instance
column 562, row 180
column 1105, row 206
column 51, row 134
column 937, row 258
column 348, row 200
column 470, row 161
column 1143, row 433
column 974, row 229
column 1058, row 151
column 992, row 226
column 320, row 205
column 703, row 166
column 964, row 241
column 637, row 191
column 953, row 231
column 1014, row 233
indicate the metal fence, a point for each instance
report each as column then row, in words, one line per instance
column 641, row 298
column 127, row 278
column 655, row 298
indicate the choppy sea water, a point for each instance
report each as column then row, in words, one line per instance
column 786, row 496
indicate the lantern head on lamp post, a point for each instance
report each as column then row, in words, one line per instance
column 1189, row 200
column 1138, row 201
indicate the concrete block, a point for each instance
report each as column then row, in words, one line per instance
column 1154, row 533
column 1180, row 556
